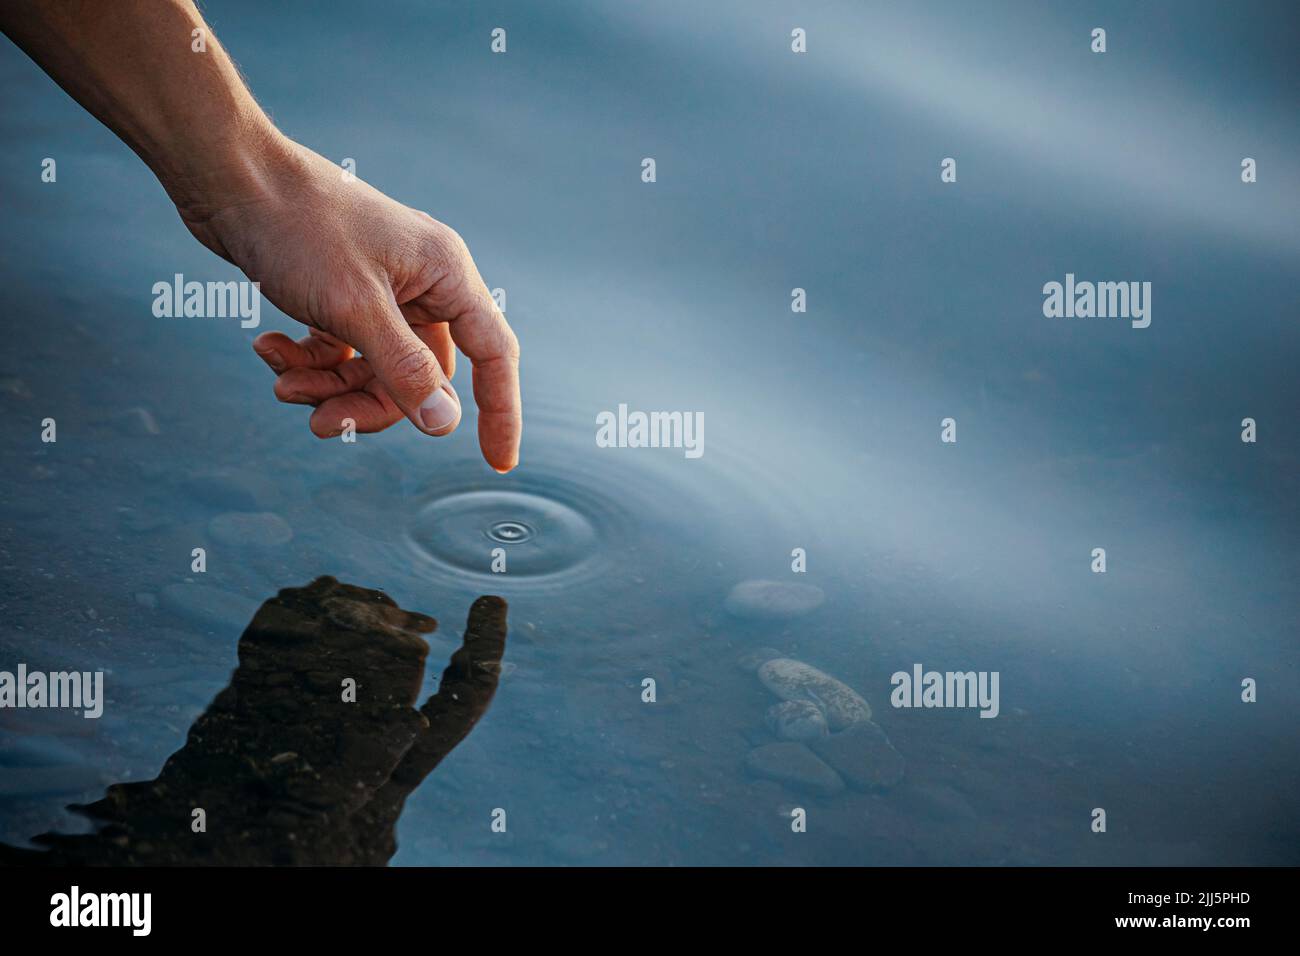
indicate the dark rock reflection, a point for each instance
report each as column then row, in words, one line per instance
column 287, row 767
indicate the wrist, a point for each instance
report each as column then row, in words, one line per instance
column 240, row 167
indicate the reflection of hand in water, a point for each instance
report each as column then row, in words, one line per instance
column 285, row 769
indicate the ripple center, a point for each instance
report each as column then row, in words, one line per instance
column 463, row 531
column 510, row 532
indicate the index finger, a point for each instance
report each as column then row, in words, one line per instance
column 464, row 693
column 483, row 334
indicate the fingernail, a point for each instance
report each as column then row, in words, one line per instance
column 439, row 410
column 273, row 359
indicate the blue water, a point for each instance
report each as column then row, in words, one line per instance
column 775, row 171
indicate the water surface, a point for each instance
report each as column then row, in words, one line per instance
column 774, row 171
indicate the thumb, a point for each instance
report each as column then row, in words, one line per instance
column 408, row 370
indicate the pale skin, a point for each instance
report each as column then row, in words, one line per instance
column 363, row 272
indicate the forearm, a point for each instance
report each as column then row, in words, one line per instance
column 365, row 272
column 133, row 64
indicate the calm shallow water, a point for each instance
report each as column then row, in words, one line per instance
column 1118, row 691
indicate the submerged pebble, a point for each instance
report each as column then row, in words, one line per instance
column 863, row 756
column 256, row 529
column 208, row 605
column 773, row 599
column 795, row 764
column 750, row 661
column 797, row 720
column 227, row 491
column 795, row 680
column 140, row 522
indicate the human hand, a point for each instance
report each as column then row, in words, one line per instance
column 367, row 273
column 359, row 269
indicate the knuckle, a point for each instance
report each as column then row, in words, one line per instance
column 447, row 246
column 414, row 371
column 511, row 346
column 285, row 390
